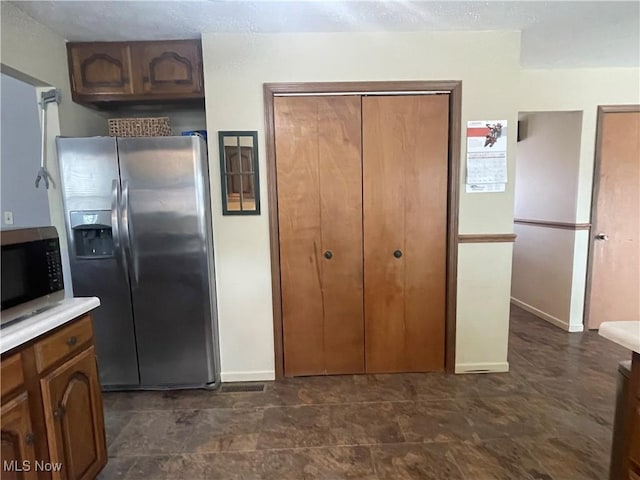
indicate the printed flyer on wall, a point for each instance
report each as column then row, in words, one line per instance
column 486, row 156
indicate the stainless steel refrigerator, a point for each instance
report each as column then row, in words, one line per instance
column 139, row 229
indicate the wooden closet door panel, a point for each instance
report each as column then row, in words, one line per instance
column 296, row 133
column 340, row 163
column 426, row 234
column 384, row 224
column 318, row 161
column 405, row 142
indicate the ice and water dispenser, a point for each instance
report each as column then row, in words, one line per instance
column 92, row 234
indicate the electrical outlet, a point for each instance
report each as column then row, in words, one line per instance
column 8, row 218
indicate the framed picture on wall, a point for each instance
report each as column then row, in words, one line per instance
column 239, row 172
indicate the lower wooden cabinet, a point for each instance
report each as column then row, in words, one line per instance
column 52, row 417
column 18, row 449
column 73, row 412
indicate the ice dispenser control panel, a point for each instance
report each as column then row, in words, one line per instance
column 92, row 234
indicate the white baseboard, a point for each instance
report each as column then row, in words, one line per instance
column 482, row 367
column 549, row 318
column 247, row 376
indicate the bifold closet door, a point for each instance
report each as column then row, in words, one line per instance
column 319, row 172
column 405, row 167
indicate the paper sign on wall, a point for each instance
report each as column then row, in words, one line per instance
column 486, row 156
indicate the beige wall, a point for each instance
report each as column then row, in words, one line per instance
column 575, row 90
column 236, row 67
column 33, row 53
column 482, row 336
column 580, row 89
column 548, row 161
column 546, row 188
column 543, row 273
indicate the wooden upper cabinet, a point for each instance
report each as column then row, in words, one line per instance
column 170, row 68
column 100, row 68
column 104, row 73
column 73, row 413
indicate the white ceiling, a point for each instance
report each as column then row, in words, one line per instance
column 554, row 33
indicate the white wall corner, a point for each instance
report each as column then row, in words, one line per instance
column 579, row 280
column 256, row 376
column 500, row 367
column 543, row 315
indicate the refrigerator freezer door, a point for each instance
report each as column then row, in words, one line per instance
column 88, row 168
column 165, row 211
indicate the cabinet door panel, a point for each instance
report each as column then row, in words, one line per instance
column 100, row 68
column 634, row 437
column 17, row 440
column 405, row 168
column 167, row 68
column 320, row 210
column 75, row 423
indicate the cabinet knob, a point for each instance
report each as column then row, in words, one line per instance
column 397, row 253
column 29, row 438
column 71, row 341
column 328, row 254
column 58, row 413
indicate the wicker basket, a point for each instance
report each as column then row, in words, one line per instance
column 139, row 127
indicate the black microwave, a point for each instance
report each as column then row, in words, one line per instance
column 31, row 271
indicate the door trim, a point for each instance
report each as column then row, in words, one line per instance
column 454, row 89
column 595, row 190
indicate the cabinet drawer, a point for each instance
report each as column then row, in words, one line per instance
column 11, row 373
column 66, row 341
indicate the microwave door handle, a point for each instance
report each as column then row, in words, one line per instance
column 115, row 225
column 126, row 226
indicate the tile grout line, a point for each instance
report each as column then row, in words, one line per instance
column 328, row 404
column 284, row 449
column 373, row 463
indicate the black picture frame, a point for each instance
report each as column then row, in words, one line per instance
column 225, row 175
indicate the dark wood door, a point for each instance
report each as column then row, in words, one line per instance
column 18, row 454
column 100, row 69
column 318, row 161
column 405, row 167
column 615, row 244
column 74, row 418
column 169, row 68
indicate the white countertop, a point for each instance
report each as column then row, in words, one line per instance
column 626, row 334
column 22, row 331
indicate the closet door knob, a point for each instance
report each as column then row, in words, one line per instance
column 397, row 253
column 328, row 254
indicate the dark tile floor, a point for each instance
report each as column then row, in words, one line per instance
column 549, row 418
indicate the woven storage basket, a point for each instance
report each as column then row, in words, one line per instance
column 139, row 127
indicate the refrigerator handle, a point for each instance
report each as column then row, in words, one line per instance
column 115, row 224
column 126, row 235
